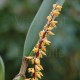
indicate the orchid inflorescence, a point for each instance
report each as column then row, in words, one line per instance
column 40, row 47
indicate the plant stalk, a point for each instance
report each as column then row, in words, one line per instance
column 21, row 74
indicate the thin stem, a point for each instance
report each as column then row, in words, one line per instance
column 21, row 74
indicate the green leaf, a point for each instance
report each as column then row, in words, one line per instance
column 60, row 2
column 37, row 25
column 2, row 70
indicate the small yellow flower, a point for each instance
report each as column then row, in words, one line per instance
column 35, row 49
column 50, row 33
column 43, row 44
column 54, row 6
column 50, row 28
column 37, row 67
column 40, row 56
column 43, row 48
column 40, row 67
column 53, row 23
column 37, row 44
column 47, row 42
column 38, row 75
column 45, row 27
column 55, row 13
column 41, row 33
column 31, row 70
column 42, row 52
column 49, row 18
column 37, row 61
column 59, row 7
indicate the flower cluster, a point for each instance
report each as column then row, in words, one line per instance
column 40, row 48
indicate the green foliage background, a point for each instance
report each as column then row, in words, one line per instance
column 63, row 59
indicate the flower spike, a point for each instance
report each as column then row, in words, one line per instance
column 40, row 48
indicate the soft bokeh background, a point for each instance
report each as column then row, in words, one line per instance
column 63, row 60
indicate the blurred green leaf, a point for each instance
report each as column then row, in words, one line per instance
column 2, row 70
column 37, row 24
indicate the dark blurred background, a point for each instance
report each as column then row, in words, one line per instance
column 63, row 60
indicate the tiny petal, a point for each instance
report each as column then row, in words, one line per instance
column 41, row 33
column 37, row 67
column 35, row 50
column 50, row 28
column 31, row 70
column 40, row 67
column 43, row 43
column 50, row 33
column 40, row 56
column 53, row 23
column 29, row 57
column 38, row 75
column 37, row 45
column 54, row 5
column 47, row 42
column 59, row 7
column 37, row 61
column 55, row 13
column 43, row 48
column 49, row 18
column 42, row 52
column 45, row 27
